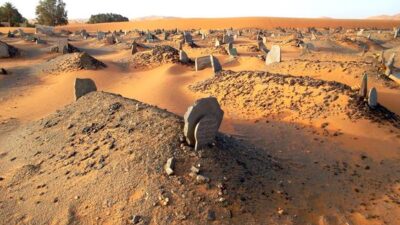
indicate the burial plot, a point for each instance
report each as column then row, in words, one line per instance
column 202, row 121
column 274, row 55
column 84, row 86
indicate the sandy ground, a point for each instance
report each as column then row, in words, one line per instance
column 335, row 174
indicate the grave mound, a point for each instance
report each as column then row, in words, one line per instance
column 72, row 62
column 129, row 162
column 264, row 94
column 159, row 55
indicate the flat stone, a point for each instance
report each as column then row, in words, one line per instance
column 83, row 86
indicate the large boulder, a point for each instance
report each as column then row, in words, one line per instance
column 7, row 51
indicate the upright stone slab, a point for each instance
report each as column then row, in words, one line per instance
column 232, row 52
column 187, row 37
column 364, row 86
column 264, row 40
column 313, row 37
column 389, row 65
column 373, row 98
column 273, row 56
column 227, row 39
column 180, row 45
column 4, row 51
column 183, row 57
column 202, row 62
column 230, row 45
column 134, row 47
column 217, row 43
column 215, row 64
column 83, row 86
column 204, row 108
column 396, row 32
column 205, row 131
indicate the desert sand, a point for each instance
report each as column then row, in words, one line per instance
column 297, row 146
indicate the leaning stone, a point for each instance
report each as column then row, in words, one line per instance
column 232, row 52
column 273, row 56
column 364, row 86
column 84, row 86
column 201, row 108
column 373, row 98
column 215, row 64
column 169, row 166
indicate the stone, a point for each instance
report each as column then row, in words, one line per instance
column 169, row 166
column 373, row 98
column 41, row 29
column 180, row 45
column 200, row 109
column 183, row 57
column 187, row 37
column 202, row 62
column 84, row 86
column 211, row 215
column 100, row 35
column 364, row 86
column 313, row 37
column 205, row 131
column 262, row 47
column 230, row 45
column 226, row 39
column 217, row 43
column 396, row 32
column 232, row 52
column 215, row 64
column 389, row 65
column 4, row 53
column 134, row 49
column 273, row 56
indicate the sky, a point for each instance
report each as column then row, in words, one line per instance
column 357, row 9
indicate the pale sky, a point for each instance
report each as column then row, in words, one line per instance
column 82, row 9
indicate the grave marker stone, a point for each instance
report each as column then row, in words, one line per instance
column 364, row 86
column 83, row 86
column 210, row 113
column 373, row 98
column 274, row 55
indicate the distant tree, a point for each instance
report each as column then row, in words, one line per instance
column 107, row 18
column 51, row 12
column 8, row 13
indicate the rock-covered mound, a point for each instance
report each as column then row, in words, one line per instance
column 7, row 51
column 72, row 62
column 159, row 55
column 101, row 160
column 252, row 95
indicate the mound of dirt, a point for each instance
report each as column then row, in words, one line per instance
column 7, row 51
column 72, row 62
column 220, row 50
column 159, row 55
column 260, row 94
column 101, row 159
